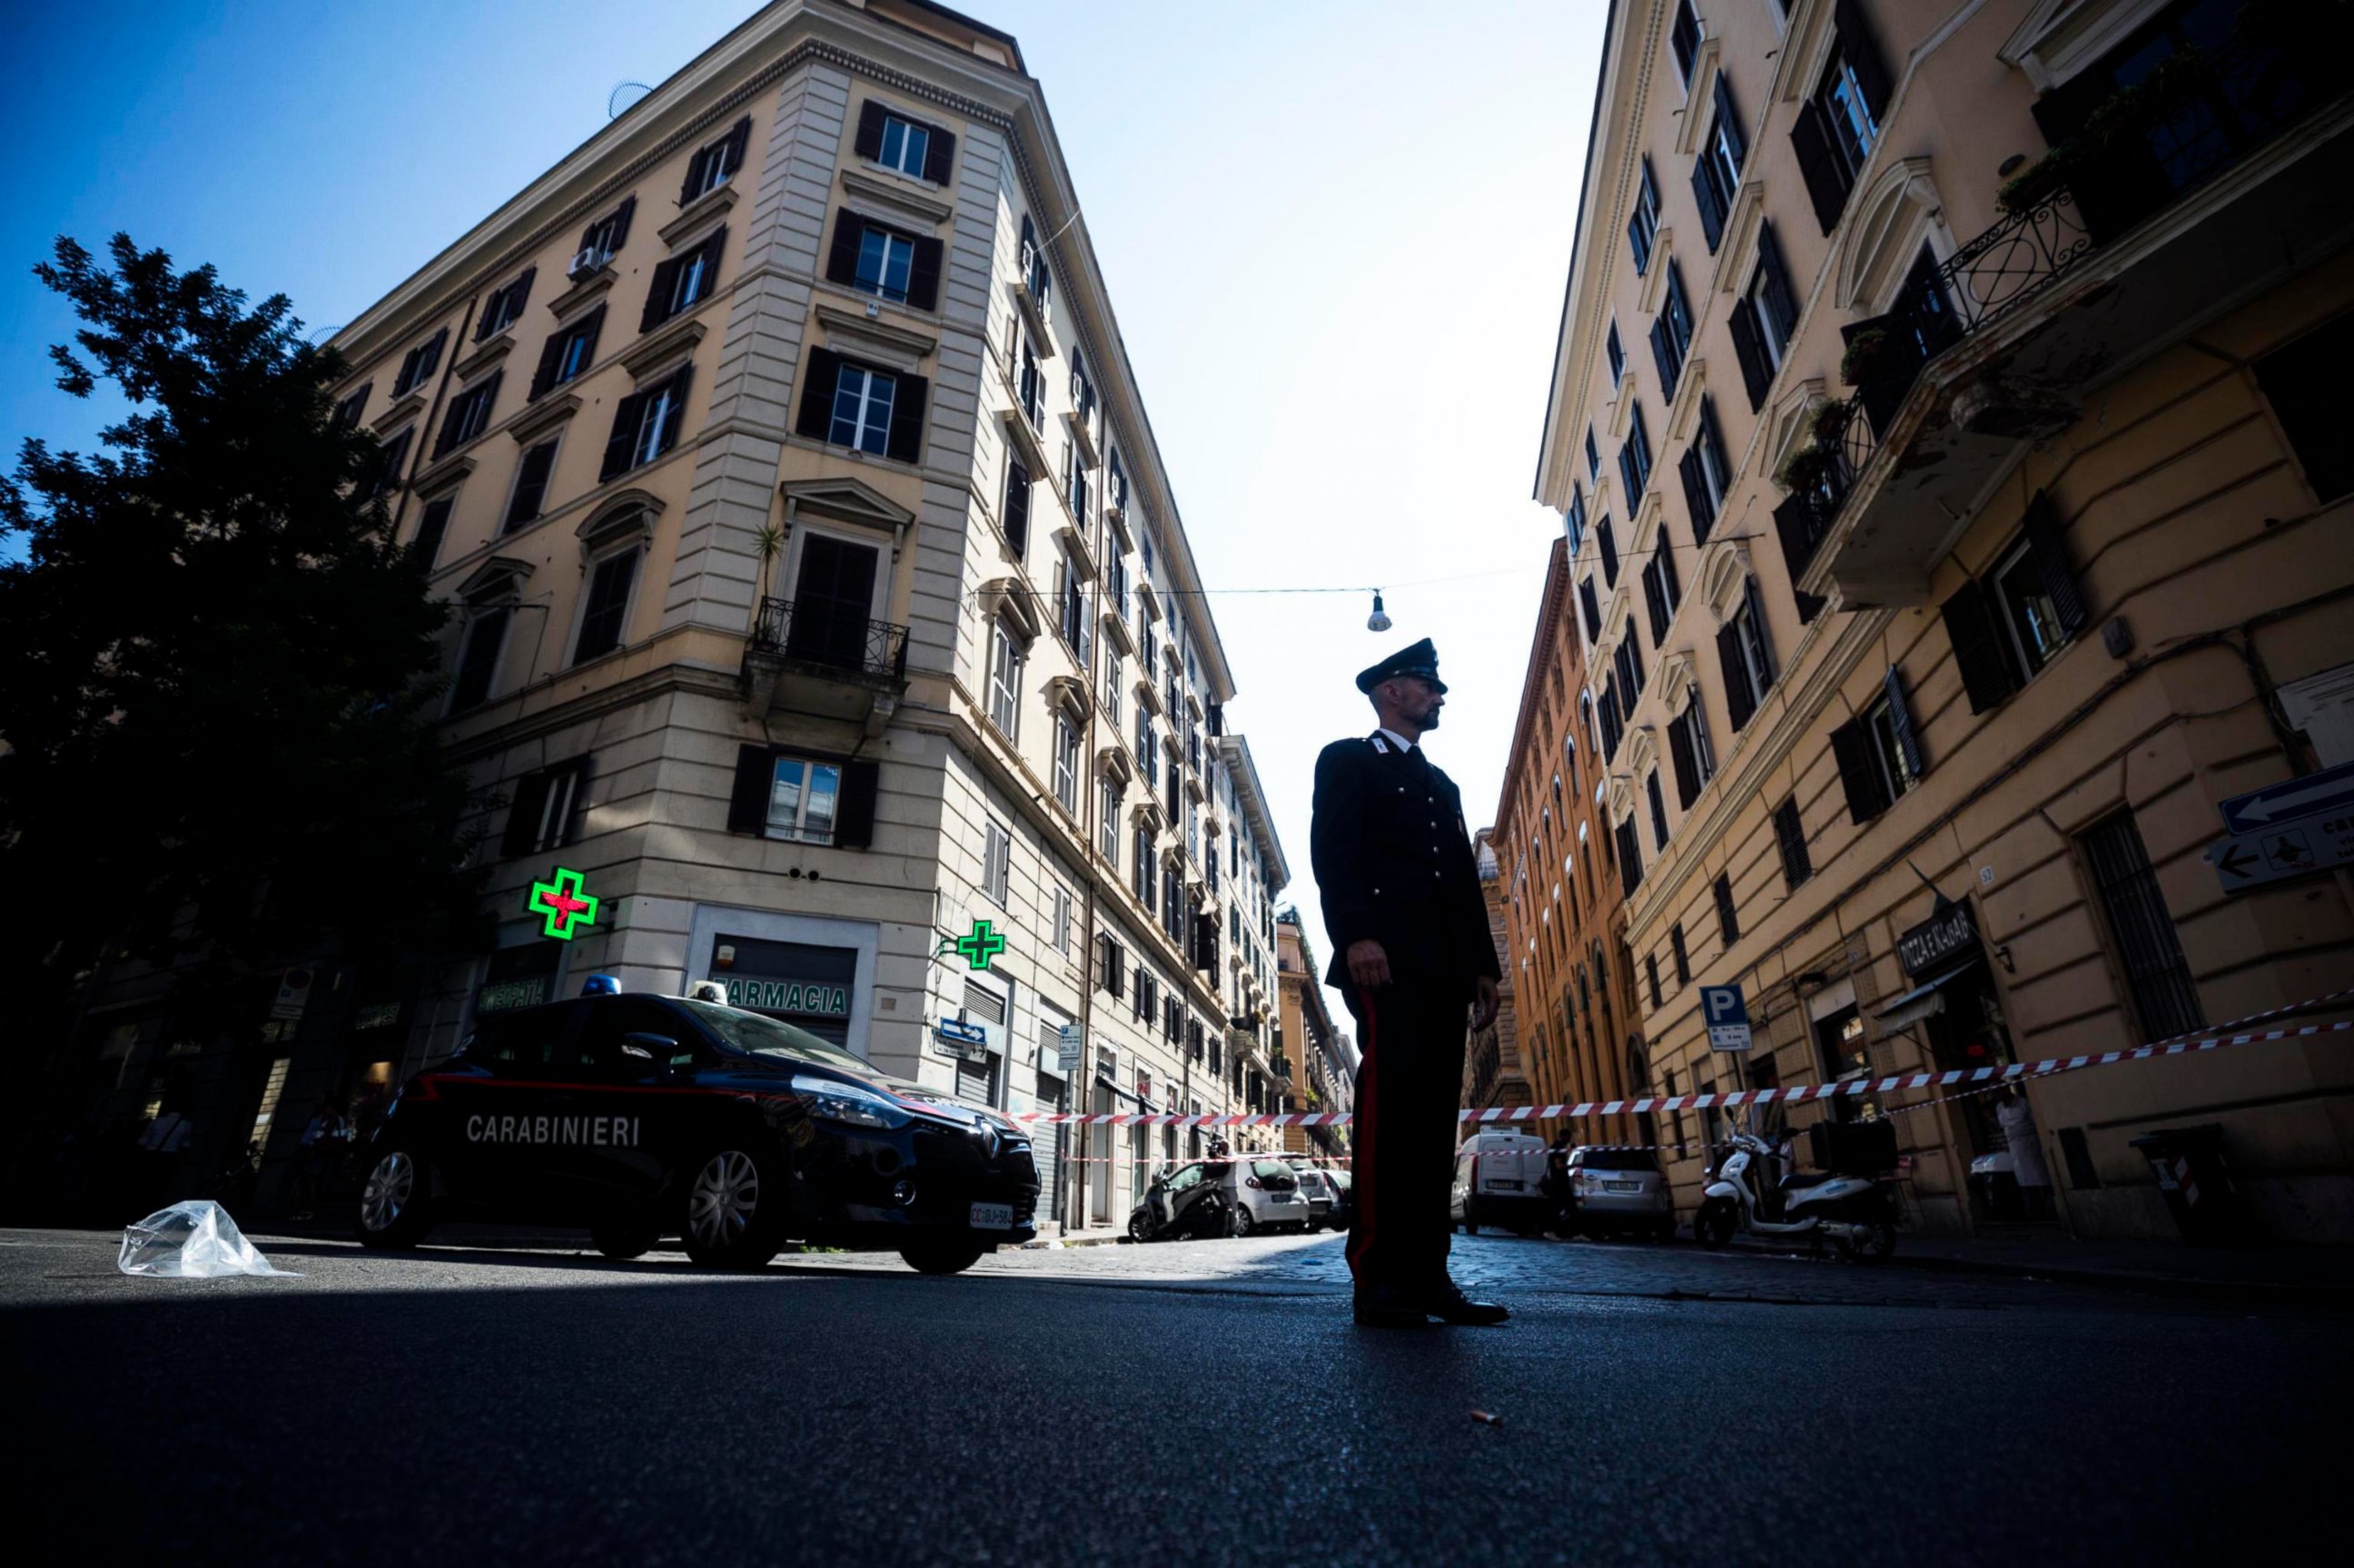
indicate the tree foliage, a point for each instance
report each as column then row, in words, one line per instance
column 216, row 669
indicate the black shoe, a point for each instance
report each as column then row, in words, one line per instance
column 1451, row 1306
column 1386, row 1308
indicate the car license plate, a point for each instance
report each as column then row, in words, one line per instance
column 1622, row 1186
column 1500, row 1184
column 993, row 1216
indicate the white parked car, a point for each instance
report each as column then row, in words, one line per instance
column 1266, row 1194
column 1321, row 1195
column 1499, row 1182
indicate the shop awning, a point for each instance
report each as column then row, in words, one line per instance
column 1130, row 1095
column 1923, row 1000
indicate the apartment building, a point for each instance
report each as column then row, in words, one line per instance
column 827, row 627
column 1493, row 1072
column 1577, row 1019
column 1942, row 426
column 1318, row 1069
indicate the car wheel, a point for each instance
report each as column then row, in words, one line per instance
column 733, row 1206
column 1243, row 1223
column 1138, row 1228
column 625, row 1236
column 396, row 1202
column 941, row 1256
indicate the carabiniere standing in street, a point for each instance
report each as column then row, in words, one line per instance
column 1414, row 960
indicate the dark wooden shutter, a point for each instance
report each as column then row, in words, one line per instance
column 739, row 137
column 841, row 257
column 626, row 415
column 621, row 223
column 1777, row 281
column 1631, row 858
column 1765, row 635
column 1851, row 749
column 431, row 528
column 1728, row 918
column 658, row 294
column 2052, row 564
column 693, row 184
column 853, row 820
column 924, row 275
column 544, row 376
column 1756, row 371
column 1017, row 504
column 816, row 416
column 869, row 140
column 1593, row 611
column 1655, row 601
column 1864, row 56
column 676, row 413
column 408, row 377
column 1696, row 501
column 531, row 485
column 1664, row 557
column 747, row 806
column 1793, row 521
column 1680, row 754
column 1825, row 175
column 1978, row 647
column 1790, row 833
column 394, row 454
column 939, row 152
column 1663, row 355
column 1730, row 118
column 1610, row 546
column 1900, row 722
column 1740, row 701
column 523, row 817
column 1712, row 211
column 906, row 441
column 519, row 293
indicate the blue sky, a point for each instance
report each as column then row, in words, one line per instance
column 1336, row 236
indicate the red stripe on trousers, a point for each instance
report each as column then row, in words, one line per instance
column 1360, row 1225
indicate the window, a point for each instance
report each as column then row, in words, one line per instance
column 1643, row 227
column 1675, row 945
column 645, row 424
column 1839, row 122
column 1634, row 457
column 604, row 239
column 1671, row 336
column 1112, row 677
column 862, row 409
column 431, row 528
column 390, row 457
column 714, row 162
column 1142, row 870
column 2158, row 978
column 348, row 412
column 1683, row 40
column 2305, row 382
column 1017, row 504
column 1728, row 921
column 1067, row 763
column 1628, row 663
column 1005, row 661
column 1631, row 858
column 1706, row 474
column 1108, row 829
column 885, row 259
column 1790, row 834
column 1716, row 175
column 568, row 352
column 1593, row 458
column 1879, row 755
column 1763, row 320
column 1030, row 389
column 1745, row 657
column 1075, row 481
column 2010, row 626
column 547, row 810
column 683, row 281
column 1589, row 608
column 1617, row 354
column 478, row 658
column 1062, row 919
column 531, row 485
column 1572, row 522
column 1658, row 809
column 997, row 864
column 1651, row 971
column 602, row 619
column 847, row 403
column 504, row 307
column 1661, row 591
column 469, row 416
column 419, row 363
column 1606, row 539
column 1688, row 751
column 904, row 146
column 1111, row 965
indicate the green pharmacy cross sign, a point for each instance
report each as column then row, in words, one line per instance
column 566, row 907
column 979, row 945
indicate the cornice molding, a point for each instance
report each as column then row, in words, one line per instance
column 696, row 215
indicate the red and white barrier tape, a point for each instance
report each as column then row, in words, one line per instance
column 1989, row 1076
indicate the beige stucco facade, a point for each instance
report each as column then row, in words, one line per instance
column 1318, row 1071
column 2068, row 572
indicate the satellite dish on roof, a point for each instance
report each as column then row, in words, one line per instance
column 624, row 98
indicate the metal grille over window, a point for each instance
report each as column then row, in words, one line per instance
column 2158, row 976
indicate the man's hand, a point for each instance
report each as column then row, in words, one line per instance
column 1369, row 966
column 1483, row 1009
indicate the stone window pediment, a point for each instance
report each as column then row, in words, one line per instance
column 497, row 580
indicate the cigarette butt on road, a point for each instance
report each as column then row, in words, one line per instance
column 1485, row 1418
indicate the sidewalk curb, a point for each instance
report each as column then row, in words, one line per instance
column 2176, row 1285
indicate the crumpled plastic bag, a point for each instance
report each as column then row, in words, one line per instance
column 195, row 1240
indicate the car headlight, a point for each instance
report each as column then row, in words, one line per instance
column 831, row 1099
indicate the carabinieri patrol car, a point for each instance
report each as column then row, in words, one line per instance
column 645, row 1117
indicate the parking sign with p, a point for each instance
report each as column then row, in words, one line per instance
column 1727, row 1017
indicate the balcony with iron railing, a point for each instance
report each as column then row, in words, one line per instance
column 815, row 656
column 2160, row 205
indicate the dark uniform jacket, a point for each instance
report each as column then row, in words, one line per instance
column 1394, row 863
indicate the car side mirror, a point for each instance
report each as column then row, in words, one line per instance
column 659, row 1051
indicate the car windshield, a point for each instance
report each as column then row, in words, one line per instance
column 1616, row 1159
column 760, row 1036
column 1268, row 1169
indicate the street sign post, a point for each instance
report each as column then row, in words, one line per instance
column 1727, row 1017
column 1066, row 1051
column 2328, row 793
column 2295, row 847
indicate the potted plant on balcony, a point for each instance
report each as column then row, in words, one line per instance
column 1867, row 352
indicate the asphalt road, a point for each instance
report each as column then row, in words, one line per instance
column 1203, row 1403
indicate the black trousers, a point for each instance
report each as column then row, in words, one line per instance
column 1411, row 1039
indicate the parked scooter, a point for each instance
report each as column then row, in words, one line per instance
column 1857, row 1213
column 1189, row 1200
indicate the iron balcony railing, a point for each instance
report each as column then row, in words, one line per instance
column 824, row 637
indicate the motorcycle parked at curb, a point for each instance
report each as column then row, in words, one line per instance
column 1855, row 1211
column 1188, row 1201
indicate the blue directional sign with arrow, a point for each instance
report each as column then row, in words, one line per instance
column 2286, row 829
column 2332, row 790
